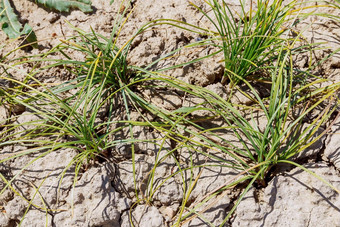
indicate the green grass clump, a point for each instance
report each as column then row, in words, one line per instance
column 250, row 39
column 257, row 150
column 70, row 114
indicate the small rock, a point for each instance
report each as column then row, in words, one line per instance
column 15, row 208
column 215, row 214
column 169, row 192
column 37, row 218
column 27, row 122
column 218, row 89
column 167, row 211
column 144, row 216
column 125, row 180
column 104, row 214
column 241, row 95
column 18, row 109
column 3, row 115
column 4, row 221
column 124, row 150
column 52, row 17
column 213, row 72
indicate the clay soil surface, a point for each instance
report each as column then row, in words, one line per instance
column 105, row 192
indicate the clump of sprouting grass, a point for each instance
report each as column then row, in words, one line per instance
column 257, row 150
column 67, row 123
column 62, row 123
column 72, row 121
column 250, row 39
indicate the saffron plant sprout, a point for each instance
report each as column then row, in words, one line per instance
column 250, row 38
column 279, row 137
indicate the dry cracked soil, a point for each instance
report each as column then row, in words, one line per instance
column 104, row 194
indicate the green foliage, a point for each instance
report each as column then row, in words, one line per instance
column 330, row 4
column 250, row 39
column 255, row 149
column 10, row 23
column 65, row 5
column 105, row 82
column 14, row 29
